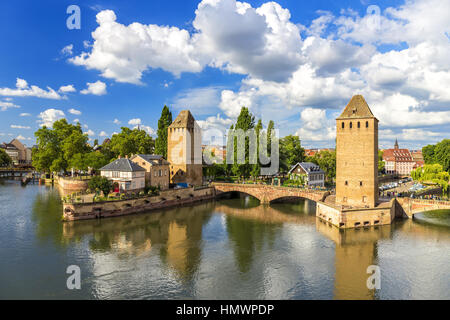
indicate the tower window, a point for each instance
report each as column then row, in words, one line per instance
column 351, row 125
column 367, row 124
column 343, row 125
column 359, row 125
column 360, row 183
column 346, row 183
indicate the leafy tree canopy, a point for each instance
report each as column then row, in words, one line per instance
column 5, row 159
column 129, row 142
column 163, row 124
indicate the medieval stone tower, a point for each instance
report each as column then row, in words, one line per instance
column 357, row 155
column 184, row 150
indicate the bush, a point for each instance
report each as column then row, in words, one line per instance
column 100, row 183
column 142, row 193
column 122, row 196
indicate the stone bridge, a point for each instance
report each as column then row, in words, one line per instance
column 413, row 206
column 268, row 193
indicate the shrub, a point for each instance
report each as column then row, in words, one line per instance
column 142, row 193
column 100, row 183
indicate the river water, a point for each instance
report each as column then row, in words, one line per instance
column 228, row 249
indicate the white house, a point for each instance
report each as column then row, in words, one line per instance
column 313, row 175
column 125, row 175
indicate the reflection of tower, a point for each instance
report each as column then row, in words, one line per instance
column 176, row 246
column 355, row 250
column 184, row 150
column 357, row 155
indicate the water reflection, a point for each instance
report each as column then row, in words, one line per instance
column 237, row 248
column 176, row 235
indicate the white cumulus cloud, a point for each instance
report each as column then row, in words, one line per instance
column 97, row 88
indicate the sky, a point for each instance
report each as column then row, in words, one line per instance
column 295, row 62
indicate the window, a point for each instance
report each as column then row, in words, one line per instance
column 351, row 125
column 343, row 125
column 346, row 183
column 360, row 183
column 359, row 125
column 367, row 124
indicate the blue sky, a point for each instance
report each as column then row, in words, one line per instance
column 295, row 62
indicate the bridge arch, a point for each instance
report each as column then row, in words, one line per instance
column 266, row 193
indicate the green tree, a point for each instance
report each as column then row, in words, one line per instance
column 245, row 122
column 163, row 124
column 326, row 160
column 96, row 160
column 291, row 152
column 58, row 145
column 5, row 159
column 428, row 153
column 256, row 168
column 101, row 183
column 442, row 154
column 129, row 142
column 380, row 161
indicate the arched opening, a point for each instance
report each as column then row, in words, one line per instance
column 293, row 205
column 237, row 199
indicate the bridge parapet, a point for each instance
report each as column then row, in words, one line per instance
column 268, row 193
column 413, row 206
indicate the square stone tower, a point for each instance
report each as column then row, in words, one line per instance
column 357, row 155
column 184, row 150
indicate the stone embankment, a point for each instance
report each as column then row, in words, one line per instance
column 166, row 199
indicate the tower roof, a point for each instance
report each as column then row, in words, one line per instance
column 357, row 108
column 184, row 120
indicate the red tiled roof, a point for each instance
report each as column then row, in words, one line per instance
column 397, row 155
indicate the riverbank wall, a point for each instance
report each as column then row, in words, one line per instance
column 69, row 185
column 343, row 218
column 166, row 199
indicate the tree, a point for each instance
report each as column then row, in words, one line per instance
column 5, row 159
column 58, row 145
column 256, row 168
column 96, row 160
column 101, row 183
column 245, row 122
column 439, row 153
column 428, row 153
column 326, row 160
column 163, row 124
column 380, row 162
column 291, row 152
column 129, row 142
column 442, row 154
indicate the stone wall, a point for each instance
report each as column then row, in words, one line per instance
column 168, row 198
column 354, row 218
column 72, row 185
column 413, row 206
column 267, row 193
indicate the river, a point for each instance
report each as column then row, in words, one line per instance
column 227, row 249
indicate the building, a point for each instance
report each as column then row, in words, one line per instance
column 156, row 170
column 184, row 150
column 357, row 155
column 399, row 161
column 309, row 173
column 12, row 151
column 126, row 175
